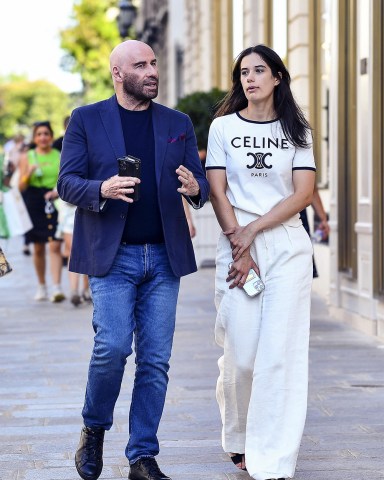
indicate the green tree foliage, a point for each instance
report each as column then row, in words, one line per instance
column 88, row 43
column 201, row 106
column 23, row 102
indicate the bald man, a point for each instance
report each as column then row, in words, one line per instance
column 133, row 251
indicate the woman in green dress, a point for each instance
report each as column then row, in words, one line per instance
column 39, row 169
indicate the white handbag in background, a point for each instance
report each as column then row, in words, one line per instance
column 18, row 219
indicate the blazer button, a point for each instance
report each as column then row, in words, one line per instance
column 122, row 216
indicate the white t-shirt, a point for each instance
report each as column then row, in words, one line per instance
column 258, row 160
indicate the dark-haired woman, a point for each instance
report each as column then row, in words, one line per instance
column 261, row 170
column 39, row 169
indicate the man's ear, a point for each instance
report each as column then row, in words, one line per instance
column 116, row 74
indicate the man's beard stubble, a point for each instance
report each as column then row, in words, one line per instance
column 132, row 88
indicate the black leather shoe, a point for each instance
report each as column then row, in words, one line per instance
column 146, row 468
column 89, row 455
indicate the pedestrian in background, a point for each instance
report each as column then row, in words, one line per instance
column 134, row 252
column 188, row 216
column 64, row 231
column 261, row 171
column 13, row 152
column 322, row 229
column 12, row 158
column 58, row 143
column 78, row 284
column 39, row 169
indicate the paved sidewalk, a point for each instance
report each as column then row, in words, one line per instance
column 44, row 353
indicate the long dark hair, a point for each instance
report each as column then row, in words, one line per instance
column 292, row 119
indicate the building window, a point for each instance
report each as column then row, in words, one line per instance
column 323, row 49
column 347, row 155
column 378, row 147
column 280, row 28
column 238, row 27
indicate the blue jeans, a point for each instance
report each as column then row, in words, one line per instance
column 136, row 299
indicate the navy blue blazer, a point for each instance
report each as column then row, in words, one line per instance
column 92, row 143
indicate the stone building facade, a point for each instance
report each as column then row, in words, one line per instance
column 334, row 50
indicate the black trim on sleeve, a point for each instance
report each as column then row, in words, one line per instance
column 215, row 168
column 304, row 168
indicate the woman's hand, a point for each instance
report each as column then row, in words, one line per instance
column 51, row 195
column 238, row 270
column 324, row 227
column 240, row 238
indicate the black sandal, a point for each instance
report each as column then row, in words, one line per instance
column 237, row 458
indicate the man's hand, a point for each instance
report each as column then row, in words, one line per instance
column 118, row 187
column 189, row 185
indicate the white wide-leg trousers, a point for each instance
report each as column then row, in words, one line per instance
column 262, row 387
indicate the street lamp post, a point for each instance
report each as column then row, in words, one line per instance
column 126, row 17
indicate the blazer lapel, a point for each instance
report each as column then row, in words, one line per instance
column 110, row 116
column 160, row 120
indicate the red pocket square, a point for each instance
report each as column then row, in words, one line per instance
column 176, row 139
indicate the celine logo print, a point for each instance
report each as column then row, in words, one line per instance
column 259, row 160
